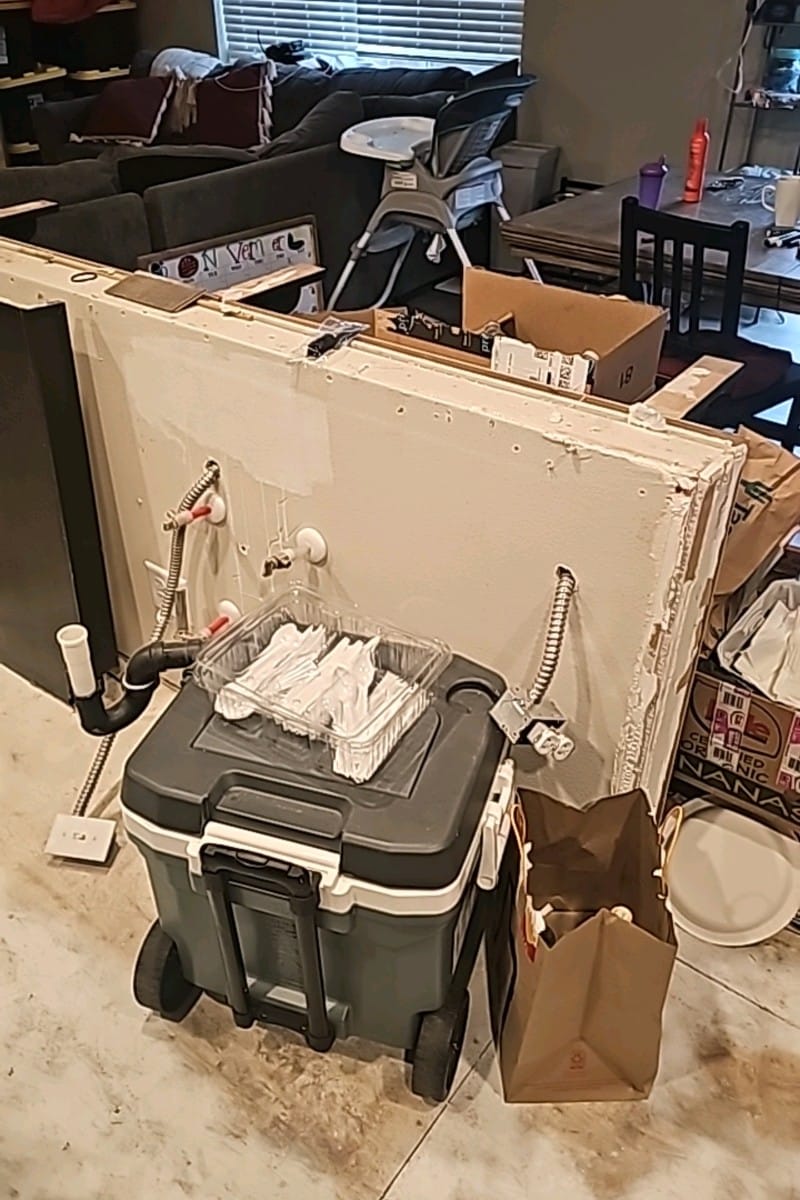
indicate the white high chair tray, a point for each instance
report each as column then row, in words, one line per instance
column 391, row 139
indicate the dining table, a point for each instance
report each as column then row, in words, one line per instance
column 578, row 239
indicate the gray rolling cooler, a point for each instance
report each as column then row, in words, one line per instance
column 301, row 899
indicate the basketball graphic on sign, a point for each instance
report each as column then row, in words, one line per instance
column 188, row 266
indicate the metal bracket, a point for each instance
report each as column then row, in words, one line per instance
column 516, row 715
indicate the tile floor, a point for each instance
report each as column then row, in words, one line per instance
column 100, row 1102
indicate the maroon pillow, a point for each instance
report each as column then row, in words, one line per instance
column 234, row 109
column 127, row 110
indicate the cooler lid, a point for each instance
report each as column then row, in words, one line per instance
column 411, row 825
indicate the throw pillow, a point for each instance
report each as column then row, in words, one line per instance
column 501, row 73
column 234, row 109
column 323, row 126
column 127, row 110
column 296, row 91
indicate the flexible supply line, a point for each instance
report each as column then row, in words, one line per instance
column 556, row 632
column 169, row 592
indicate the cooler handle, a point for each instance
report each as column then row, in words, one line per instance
column 496, row 825
column 325, row 863
column 222, row 866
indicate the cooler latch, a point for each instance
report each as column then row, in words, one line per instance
column 496, row 825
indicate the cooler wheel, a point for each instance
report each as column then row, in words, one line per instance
column 438, row 1049
column 158, row 980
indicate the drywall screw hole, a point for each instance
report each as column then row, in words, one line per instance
column 329, row 379
column 492, row 423
column 436, row 416
column 549, row 464
column 448, row 417
column 516, row 449
column 642, row 491
column 400, row 411
column 243, row 549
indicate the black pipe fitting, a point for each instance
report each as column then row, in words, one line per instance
column 141, row 680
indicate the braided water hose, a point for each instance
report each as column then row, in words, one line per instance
column 556, row 632
column 163, row 616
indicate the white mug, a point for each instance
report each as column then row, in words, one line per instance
column 784, row 201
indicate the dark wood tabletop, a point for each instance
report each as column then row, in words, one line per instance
column 581, row 235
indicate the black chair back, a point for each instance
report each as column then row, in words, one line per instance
column 677, row 264
column 468, row 125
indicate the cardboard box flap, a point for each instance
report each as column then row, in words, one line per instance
column 554, row 318
column 271, row 281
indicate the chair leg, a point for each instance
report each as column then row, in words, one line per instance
column 459, row 247
column 530, row 265
column 350, row 266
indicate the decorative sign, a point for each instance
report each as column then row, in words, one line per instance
column 224, row 262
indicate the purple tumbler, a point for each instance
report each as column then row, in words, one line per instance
column 651, row 181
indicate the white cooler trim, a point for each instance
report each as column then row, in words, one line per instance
column 339, row 893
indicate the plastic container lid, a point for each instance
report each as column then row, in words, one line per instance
column 418, row 662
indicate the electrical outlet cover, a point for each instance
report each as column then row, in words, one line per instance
column 88, row 839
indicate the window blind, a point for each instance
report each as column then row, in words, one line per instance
column 461, row 32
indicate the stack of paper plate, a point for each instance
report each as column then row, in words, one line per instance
column 732, row 881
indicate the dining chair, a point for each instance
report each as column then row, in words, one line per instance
column 664, row 258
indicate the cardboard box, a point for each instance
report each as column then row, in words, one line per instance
column 380, row 328
column 740, row 748
column 625, row 336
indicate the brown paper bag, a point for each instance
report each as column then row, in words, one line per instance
column 582, row 1021
column 766, row 510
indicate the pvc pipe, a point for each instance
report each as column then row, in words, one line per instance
column 73, row 642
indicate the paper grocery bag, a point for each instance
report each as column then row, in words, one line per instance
column 766, row 511
column 582, row 1021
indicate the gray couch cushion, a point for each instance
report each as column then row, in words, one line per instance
column 143, row 167
column 404, row 106
column 68, row 183
column 209, row 206
column 399, row 81
column 338, row 189
column 112, row 230
column 323, row 126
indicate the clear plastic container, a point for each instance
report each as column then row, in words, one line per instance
column 416, row 661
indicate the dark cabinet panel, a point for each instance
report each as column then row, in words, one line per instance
column 52, row 569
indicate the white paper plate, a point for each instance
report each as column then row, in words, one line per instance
column 732, row 881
